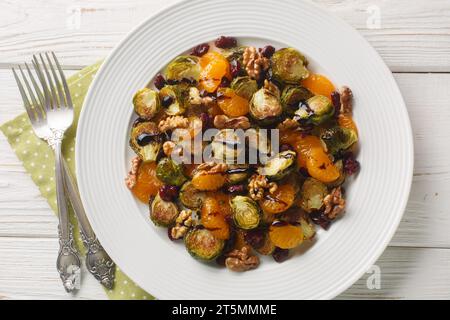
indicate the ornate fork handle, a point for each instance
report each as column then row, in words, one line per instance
column 97, row 260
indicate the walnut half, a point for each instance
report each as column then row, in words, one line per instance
column 183, row 223
column 221, row 121
column 241, row 260
column 334, row 203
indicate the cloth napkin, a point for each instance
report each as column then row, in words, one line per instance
column 39, row 162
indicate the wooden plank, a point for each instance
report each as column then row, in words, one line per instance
column 410, row 36
column 28, row 272
column 425, row 224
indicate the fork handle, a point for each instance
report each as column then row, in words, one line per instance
column 99, row 264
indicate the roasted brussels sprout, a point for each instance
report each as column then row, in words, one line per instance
column 338, row 138
column 340, row 166
column 183, row 67
column 191, row 197
column 265, row 107
column 170, row 172
column 225, row 146
column 312, row 194
column 244, row 87
column 289, row 66
column 309, row 231
column 279, row 166
column 246, row 213
column 237, row 173
column 235, row 53
column 145, row 140
column 268, row 247
column 202, row 244
column 146, row 103
column 173, row 99
column 291, row 98
column 163, row 213
column 316, row 110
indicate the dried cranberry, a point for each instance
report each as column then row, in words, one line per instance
column 255, row 238
column 200, row 50
column 207, row 121
column 336, row 100
column 286, row 147
column 225, row 42
column 166, row 101
column 236, row 189
column 235, row 68
column 168, row 193
column 304, row 172
column 280, row 255
column 319, row 218
column 159, row 82
column 268, row 51
column 351, row 165
column 225, row 83
column 221, row 260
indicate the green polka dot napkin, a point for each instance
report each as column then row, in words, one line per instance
column 38, row 160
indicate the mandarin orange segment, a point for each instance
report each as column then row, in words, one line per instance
column 208, row 182
column 214, row 67
column 279, row 201
column 286, row 236
column 232, row 104
column 319, row 84
column 346, row 121
column 223, row 199
column 147, row 184
column 213, row 220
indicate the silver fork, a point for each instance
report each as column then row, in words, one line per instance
column 51, row 114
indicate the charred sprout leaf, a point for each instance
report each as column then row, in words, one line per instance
column 145, row 140
column 338, row 138
column 246, row 213
column 265, row 107
column 309, row 231
column 279, row 166
column 244, row 87
column 169, row 172
column 237, row 174
column 163, row 213
column 312, row 194
column 191, row 197
column 291, row 98
column 183, row 67
column 146, row 103
column 175, row 94
column 225, row 146
column 202, row 244
column 289, row 66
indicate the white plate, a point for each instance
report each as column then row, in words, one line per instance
column 376, row 198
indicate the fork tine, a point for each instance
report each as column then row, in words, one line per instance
column 50, row 83
column 63, row 78
column 62, row 100
column 31, row 94
column 39, row 107
column 26, row 102
column 47, row 97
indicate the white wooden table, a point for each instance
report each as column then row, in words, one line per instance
column 413, row 37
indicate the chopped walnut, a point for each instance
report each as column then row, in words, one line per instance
column 183, row 223
column 334, row 203
column 241, row 260
column 168, row 147
column 288, row 124
column 173, row 122
column 212, row 167
column 346, row 99
column 271, row 87
column 195, row 99
column 254, row 62
column 223, row 122
column 258, row 184
column 131, row 178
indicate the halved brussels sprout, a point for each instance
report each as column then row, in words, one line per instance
column 289, row 66
column 315, row 110
column 145, row 140
column 291, row 98
column 146, row 103
column 246, row 213
column 244, row 87
column 175, row 95
column 309, row 231
column 279, row 166
column 170, row 172
column 235, row 53
column 312, row 194
column 265, row 107
column 191, row 197
column 340, row 166
column 237, row 173
column 338, row 138
column 202, row 244
column 268, row 247
column 183, row 67
column 163, row 213
column 225, row 144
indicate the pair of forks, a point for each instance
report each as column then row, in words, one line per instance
column 49, row 106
